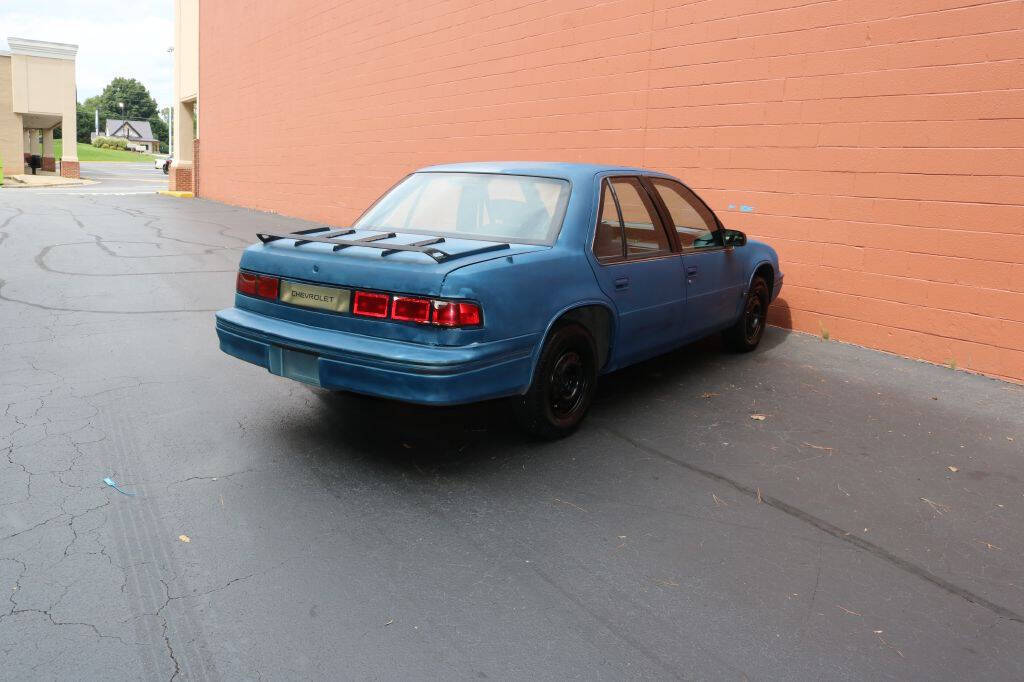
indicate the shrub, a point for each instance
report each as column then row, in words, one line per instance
column 110, row 143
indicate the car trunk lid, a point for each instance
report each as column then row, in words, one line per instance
column 375, row 266
column 378, row 265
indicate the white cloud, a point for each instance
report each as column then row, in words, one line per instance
column 113, row 38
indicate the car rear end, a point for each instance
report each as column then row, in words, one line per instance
column 367, row 310
column 361, row 323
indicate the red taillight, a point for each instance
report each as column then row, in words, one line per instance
column 370, row 304
column 252, row 284
column 246, row 283
column 266, row 287
column 469, row 315
column 410, row 309
column 454, row 314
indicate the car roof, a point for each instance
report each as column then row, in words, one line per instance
column 555, row 169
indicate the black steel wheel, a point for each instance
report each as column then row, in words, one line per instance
column 563, row 384
column 746, row 333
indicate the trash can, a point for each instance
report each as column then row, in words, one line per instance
column 35, row 161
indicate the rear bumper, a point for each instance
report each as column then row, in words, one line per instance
column 430, row 375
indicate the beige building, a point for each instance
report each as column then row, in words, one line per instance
column 184, row 171
column 37, row 94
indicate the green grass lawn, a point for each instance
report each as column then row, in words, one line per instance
column 86, row 152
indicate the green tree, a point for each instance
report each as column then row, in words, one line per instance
column 90, row 105
column 87, row 120
column 139, row 105
column 159, row 127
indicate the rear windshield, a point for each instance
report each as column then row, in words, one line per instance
column 509, row 208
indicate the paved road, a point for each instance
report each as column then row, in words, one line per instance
column 115, row 178
column 341, row 537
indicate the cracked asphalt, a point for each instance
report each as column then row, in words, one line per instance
column 871, row 526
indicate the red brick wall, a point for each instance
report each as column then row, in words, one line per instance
column 195, row 166
column 878, row 142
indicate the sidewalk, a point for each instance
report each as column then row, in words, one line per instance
column 27, row 180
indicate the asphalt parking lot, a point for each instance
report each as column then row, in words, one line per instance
column 870, row 526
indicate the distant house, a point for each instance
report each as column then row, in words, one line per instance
column 138, row 134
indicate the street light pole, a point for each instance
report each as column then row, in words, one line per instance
column 120, row 105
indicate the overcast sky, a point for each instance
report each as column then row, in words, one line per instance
column 127, row 39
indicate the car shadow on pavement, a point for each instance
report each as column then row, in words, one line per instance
column 403, row 438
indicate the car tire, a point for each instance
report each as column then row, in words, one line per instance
column 563, row 384
column 746, row 333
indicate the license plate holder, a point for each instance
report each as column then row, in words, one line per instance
column 332, row 299
column 300, row 366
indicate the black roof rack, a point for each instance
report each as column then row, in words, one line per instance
column 337, row 233
column 425, row 246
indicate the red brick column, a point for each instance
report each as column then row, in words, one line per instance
column 69, row 169
column 195, row 166
column 49, row 164
column 180, row 179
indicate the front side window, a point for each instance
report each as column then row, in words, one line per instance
column 693, row 221
column 492, row 206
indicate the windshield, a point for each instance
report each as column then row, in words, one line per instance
column 495, row 207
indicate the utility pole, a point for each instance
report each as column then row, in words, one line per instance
column 170, row 111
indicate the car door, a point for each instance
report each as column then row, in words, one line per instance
column 715, row 274
column 639, row 269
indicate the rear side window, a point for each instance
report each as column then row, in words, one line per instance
column 644, row 233
column 628, row 226
column 693, row 221
column 608, row 242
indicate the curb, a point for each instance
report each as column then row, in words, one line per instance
column 11, row 183
column 180, row 195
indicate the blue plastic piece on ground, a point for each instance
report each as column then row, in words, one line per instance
column 110, row 482
column 746, row 209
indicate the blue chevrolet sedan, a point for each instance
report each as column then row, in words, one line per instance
column 474, row 281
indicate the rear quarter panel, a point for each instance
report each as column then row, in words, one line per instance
column 523, row 295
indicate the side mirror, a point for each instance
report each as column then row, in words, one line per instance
column 733, row 238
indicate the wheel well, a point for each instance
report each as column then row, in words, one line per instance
column 598, row 321
column 768, row 273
